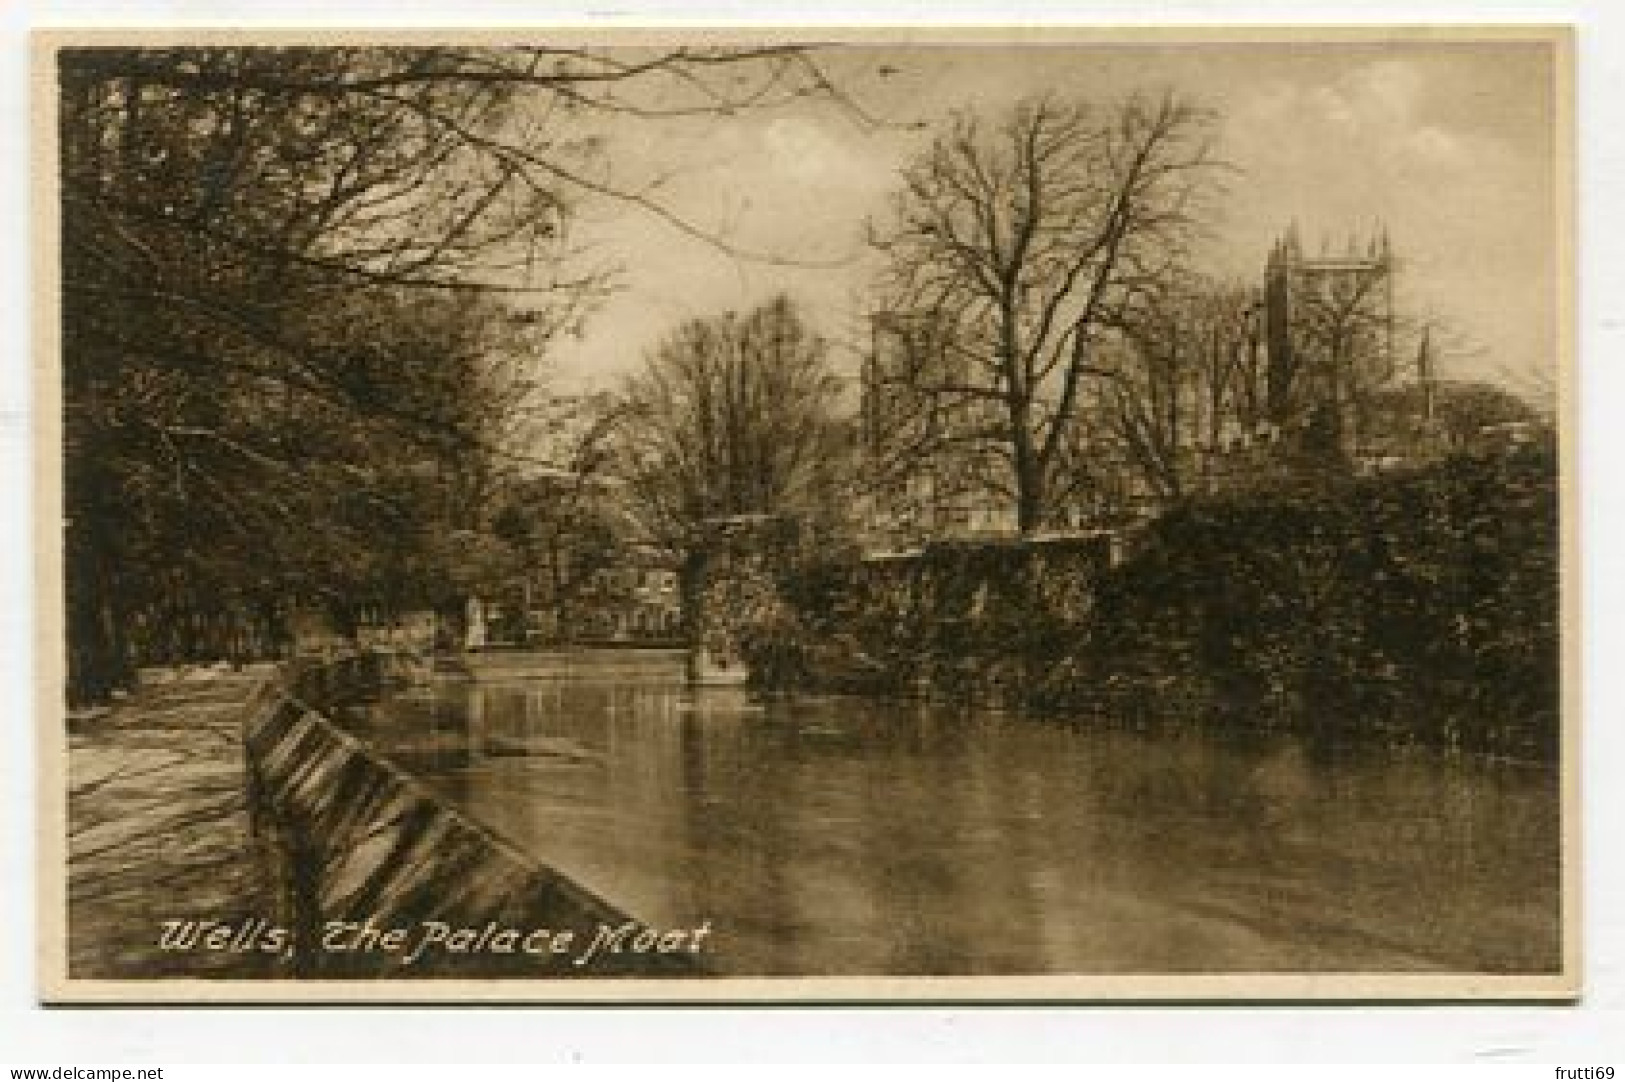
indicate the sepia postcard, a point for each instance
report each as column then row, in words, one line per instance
column 806, row 516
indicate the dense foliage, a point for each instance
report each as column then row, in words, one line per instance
column 1419, row 606
column 1423, row 604
column 303, row 292
column 266, row 406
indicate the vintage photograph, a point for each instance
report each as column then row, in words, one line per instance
column 877, row 515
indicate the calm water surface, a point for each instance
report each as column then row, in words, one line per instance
column 845, row 836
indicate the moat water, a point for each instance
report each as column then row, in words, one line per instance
column 847, row 836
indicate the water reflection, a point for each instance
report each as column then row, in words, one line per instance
column 826, row 836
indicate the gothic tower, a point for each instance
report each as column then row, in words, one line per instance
column 1328, row 330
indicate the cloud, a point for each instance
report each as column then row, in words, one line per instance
column 1448, row 148
column 1441, row 148
column 1388, row 89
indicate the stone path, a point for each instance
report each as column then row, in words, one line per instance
column 158, row 828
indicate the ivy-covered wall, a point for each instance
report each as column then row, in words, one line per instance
column 1418, row 606
column 976, row 621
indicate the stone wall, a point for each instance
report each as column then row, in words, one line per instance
column 1417, row 606
column 975, row 622
column 358, row 851
column 732, row 588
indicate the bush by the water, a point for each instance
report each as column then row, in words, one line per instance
column 1419, row 605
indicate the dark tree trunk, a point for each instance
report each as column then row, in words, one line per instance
column 1029, row 508
column 1030, row 489
column 98, row 654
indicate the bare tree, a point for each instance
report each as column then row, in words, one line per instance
column 732, row 416
column 569, row 521
column 928, row 450
column 1186, row 381
column 1021, row 236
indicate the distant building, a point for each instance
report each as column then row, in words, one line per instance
column 1333, row 391
column 1329, row 335
column 637, row 599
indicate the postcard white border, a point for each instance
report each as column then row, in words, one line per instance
column 1354, row 1033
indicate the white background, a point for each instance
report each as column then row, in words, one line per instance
column 1592, row 1033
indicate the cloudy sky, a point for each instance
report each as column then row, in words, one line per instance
column 1450, row 146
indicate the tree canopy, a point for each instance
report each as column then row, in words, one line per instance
column 303, row 294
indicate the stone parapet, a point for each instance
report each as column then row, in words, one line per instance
column 374, row 876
